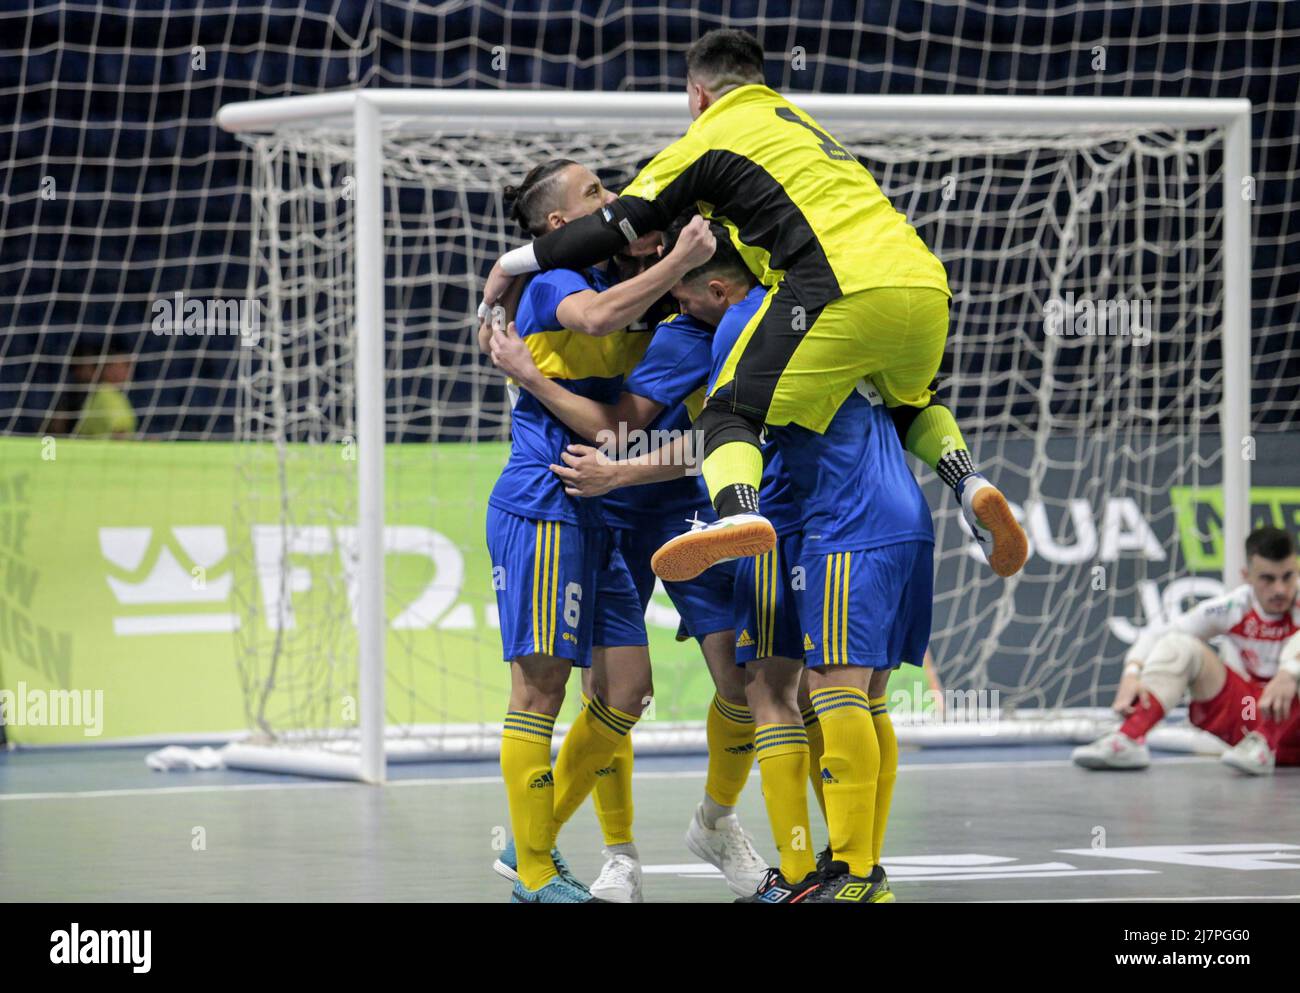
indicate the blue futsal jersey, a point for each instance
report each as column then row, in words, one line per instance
column 589, row 366
column 672, row 372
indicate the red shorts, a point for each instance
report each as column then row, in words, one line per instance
column 1222, row 716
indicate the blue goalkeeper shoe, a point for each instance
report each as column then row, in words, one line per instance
column 507, row 865
column 560, row 889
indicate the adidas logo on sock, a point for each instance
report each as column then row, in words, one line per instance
column 827, row 777
column 545, row 779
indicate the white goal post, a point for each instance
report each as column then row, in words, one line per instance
column 367, row 114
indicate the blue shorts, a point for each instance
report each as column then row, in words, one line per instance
column 868, row 608
column 704, row 604
column 765, row 609
column 547, row 578
column 620, row 614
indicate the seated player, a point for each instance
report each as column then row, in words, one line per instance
column 1240, row 693
column 654, row 401
column 783, row 735
column 559, row 583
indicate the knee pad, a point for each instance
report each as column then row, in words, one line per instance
column 1173, row 665
column 718, row 424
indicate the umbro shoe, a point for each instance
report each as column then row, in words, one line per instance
column 739, row 536
column 838, row 885
column 775, row 888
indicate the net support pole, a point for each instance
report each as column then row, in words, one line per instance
column 369, row 263
column 1235, row 416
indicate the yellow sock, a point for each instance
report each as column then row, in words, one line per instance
column 934, row 434
column 530, row 792
column 850, row 765
column 815, row 747
column 888, row 772
column 731, row 463
column 612, row 796
column 589, row 746
column 730, row 733
column 783, row 765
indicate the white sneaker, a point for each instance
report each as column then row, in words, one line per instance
column 619, row 880
column 1250, row 755
column 739, row 536
column 728, row 848
column 998, row 535
column 1113, row 751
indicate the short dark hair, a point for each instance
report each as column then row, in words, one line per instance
column 1273, row 544
column 725, row 57
column 726, row 260
column 534, row 198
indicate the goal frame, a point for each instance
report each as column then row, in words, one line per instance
column 364, row 111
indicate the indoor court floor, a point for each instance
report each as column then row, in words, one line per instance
column 992, row 824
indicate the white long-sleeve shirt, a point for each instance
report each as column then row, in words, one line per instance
column 1258, row 637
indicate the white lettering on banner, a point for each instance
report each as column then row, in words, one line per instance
column 1123, row 531
column 434, row 602
column 1164, row 609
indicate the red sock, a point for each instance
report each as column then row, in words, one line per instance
column 1143, row 719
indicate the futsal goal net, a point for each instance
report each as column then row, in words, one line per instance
column 1099, row 356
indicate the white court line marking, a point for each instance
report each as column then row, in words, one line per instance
column 1254, row 897
column 496, row 780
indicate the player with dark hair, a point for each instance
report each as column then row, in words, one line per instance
column 1243, row 693
column 851, row 292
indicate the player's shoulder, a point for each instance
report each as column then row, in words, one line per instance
column 1237, row 600
column 557, row 279
column 684, row 324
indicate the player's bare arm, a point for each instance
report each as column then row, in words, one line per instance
column 588, row 472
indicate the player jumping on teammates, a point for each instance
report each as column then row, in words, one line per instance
column 1244, row 694
column 561, row 587
column 852, row 292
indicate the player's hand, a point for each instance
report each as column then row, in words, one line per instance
column 510, row 354
column 1278, row 696
column 587, row 471
column 1130, row 690
column 497, row 293
column 695, row 245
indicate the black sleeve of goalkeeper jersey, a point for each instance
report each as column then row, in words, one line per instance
column 598, row 236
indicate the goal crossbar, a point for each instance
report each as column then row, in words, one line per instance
column 365, row 113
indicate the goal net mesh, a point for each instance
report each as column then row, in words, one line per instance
column 1084, row 355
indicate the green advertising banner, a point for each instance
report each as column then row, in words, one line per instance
column 138, row 579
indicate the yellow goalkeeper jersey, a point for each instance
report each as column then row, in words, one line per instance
column 794, row 200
